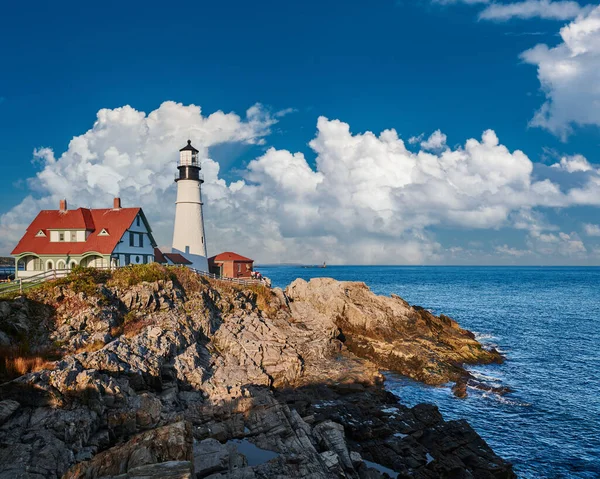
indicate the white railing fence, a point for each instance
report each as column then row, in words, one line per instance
column 24, row 283
column 242, row 281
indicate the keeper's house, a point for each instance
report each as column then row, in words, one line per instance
column 62, row 239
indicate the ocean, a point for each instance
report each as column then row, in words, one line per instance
column 545, row 320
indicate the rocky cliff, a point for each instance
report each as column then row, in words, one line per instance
column 181, row 377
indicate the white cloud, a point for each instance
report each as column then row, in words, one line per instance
column 437, row 141
column 413, row 140
column 544, row 9
column 508, row 251
column 591, row 230
column 573, row 164
column 562, row 244
column 569, row 75
column 369, row 199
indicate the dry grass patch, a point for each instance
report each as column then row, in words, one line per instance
column 15, row 362
column 90, row 347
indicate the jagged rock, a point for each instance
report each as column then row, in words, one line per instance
column 163, row 444
column 294, row 373
column 163, row 470
column 7, row 408
column 390, row 332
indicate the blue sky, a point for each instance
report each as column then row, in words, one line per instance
column 415, row 67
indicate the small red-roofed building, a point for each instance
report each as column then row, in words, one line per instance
column 231, row 265
column 63, row 238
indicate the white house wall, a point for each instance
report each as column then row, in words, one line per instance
column 136, row 254
column 81, row 235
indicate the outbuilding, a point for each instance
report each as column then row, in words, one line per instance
column 231, row 265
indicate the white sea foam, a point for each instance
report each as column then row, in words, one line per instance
column 483, row 336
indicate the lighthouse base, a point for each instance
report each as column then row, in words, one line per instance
column 199, row 262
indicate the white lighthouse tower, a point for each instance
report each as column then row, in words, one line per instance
column 188, row 234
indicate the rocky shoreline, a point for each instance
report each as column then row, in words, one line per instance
column 169, row 375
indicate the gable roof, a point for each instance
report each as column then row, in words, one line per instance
column 177, row 258
column 158, row 256
column 117, row 221
column 230, row 256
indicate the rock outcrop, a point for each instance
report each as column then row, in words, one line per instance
column 184, row 377
column 396, row 336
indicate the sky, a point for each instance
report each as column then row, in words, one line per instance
column 382, row 132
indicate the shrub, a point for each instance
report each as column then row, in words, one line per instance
column 136, row 274
column 79, row 280
column 188, row 280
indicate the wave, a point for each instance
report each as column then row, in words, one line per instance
column 484, row 336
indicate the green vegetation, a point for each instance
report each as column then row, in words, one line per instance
column 80, row 280
column 136, row 274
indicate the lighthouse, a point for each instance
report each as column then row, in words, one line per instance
column 188, row 233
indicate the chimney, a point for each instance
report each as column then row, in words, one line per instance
column 63, row 206
column 117, row 204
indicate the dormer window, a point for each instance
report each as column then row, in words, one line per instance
column 40, row 234
column 61, row 236
column 103, row 232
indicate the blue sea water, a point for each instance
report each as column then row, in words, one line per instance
column 545, row 320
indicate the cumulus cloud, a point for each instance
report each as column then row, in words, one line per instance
column 569, row 74
column 573, row 164
column 544, row 9
column 591, row 229
column 368, row 200
column 437, row 141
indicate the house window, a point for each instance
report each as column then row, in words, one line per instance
column 61, row 236
column 239, row 267
column 137, row 259
column 131, row 239
column 73, row 236
column 141, row 240
column 137, row 220
column 37, row 264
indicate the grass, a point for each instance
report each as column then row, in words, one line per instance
column 90, row 347
column 133, row 324
column 16, row 361
column 79, row 280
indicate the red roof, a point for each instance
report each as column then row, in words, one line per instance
column 174, row 258
column 229, row 256
column 159, row 257
column 114, row 221
column 177, row 258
